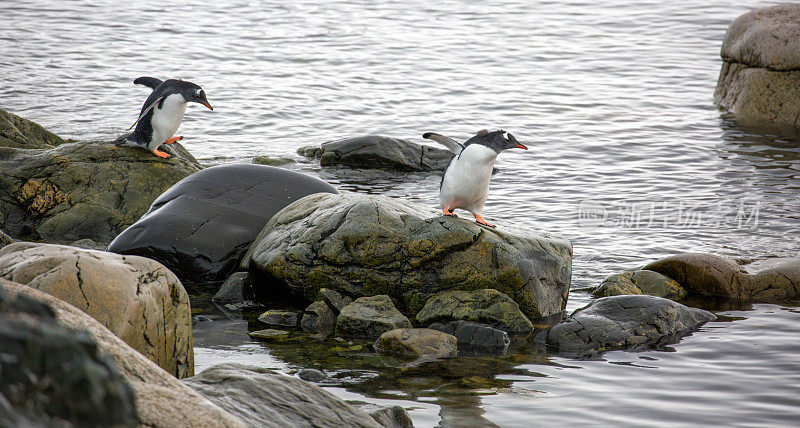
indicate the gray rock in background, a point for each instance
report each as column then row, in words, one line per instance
column 375, row 151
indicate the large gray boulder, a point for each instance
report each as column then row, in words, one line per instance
column 60, row 191
column 631, row 322
column 362, row 245
column 138, row 299
column 760, row 76
column 375, row 151
column 486, row 306
column 263, row 398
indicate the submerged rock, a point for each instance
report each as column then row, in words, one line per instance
column 375, row 151
column 631, row 322
column 319, row 319
column 370, row 317
column 760, row 76
column 261, row 397
column 61, row 191
column 416, row 342
column 268, row 333
column 53, row 375
column 201, row 227
column 363, row 245
column 486, row 306
column 769, row 281
column 640, row 282
column 138, row 299
column 282, row 318
column 474, row 338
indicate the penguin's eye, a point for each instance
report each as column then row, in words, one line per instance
column 198, row 92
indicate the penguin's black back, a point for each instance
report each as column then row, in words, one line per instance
column 144, row 129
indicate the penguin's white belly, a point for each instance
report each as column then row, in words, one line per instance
column 167, row 119
column 466, row 181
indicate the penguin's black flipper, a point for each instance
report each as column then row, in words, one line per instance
column 150, row 82
column 151, row 102
column 448, row 142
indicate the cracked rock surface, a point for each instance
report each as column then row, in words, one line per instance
column 375, row 151
column 364, row 245
column 631, row 322
column 61, row 191
column 486, row 306
column 201, row 227
column 775, row 280
column 138, row 299
column 760, row 76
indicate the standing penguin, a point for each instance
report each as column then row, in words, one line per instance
column 465, row 183
column 163, row 111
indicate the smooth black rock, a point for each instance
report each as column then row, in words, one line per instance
column 474, row 338
column 203, row 225
column 51, row 375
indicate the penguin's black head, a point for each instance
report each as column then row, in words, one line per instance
column 497, row 141
column 194, row 93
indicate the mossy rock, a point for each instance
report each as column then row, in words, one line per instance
column 16, row 132
column 640, row 282
column 486, row 306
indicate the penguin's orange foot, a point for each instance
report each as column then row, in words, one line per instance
column 161, row 154
column 449, row 213
column 173, row 139
column 480, row 220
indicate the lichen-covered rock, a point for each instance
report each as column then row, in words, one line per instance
column 774, row 280
column 375, row 151
column 416, row 342
column 16, row 132
column 138, row 299
column 334, row 299
column 363, row 245
column 55, row 376
column 264, row 398
column 760, row 76
column 631, row 322
column 79, row 190
column 319, row 319
column 485, row 306
column 268, row 334
column 201, row 227
column 640, row 282
column 474, row 338
column 370, row 317
column 160, row 399
column 279, row 317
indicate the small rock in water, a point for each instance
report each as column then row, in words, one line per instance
column 318, row 319
column 232, row 289
column 640, row 282
column 416, row 342
column 335, row 300
column 311, row 375
column 474, row 338
column 282, row 318
column 392, row 417
column 268, row 333
column 370, row 317
column 486, row 306
column 200, row 318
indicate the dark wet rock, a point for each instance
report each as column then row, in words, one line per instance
column 282, row 318
column 319, row 319
column 53, row 375
column 774, row 280
column 201, row 227
column 268, row 333
column 232, row 290
column 61, row 191
column 334, row 299
column 311, row 375
column 261, row 397
column 370, row 317
column 485, row 306
column 313, row 152
column 136, row 298
column 640, row 282
column 375, row 151
column 474, row 338
column 5, row 239
column 160, row 399
column 760, row 76
column 363, row 245
column 272, row 161
column 417, row 342
column 392, row 417
column 631, row 322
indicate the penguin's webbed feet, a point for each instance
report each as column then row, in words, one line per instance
column 161, row 154
column 173, row 139
column 481, row 221
column 449, row 213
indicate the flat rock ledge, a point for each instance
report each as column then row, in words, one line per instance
column 760, row 76
column 632, row 322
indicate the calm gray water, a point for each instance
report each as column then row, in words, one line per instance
column 613, row 98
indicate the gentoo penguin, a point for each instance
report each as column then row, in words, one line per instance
column 163, row 111
column 465, row 183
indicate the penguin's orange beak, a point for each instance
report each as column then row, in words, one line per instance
column 521, row 146
column 205, row 103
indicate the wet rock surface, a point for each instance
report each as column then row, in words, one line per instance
column 474, row 338
column 279, row 317
column 264, row 398
column 46, row 366
column 369, row 317
column 334, row 300
column 417, row 342
column 363, row 245
column 631, row 322
column 774, row 280
column 319, row 318
column 760, row 76
column 232, row 290
column 640, row 282
column 392, row 417
column 375, row 151
column 138, row 299
column 201, row 227
column 485, row 306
